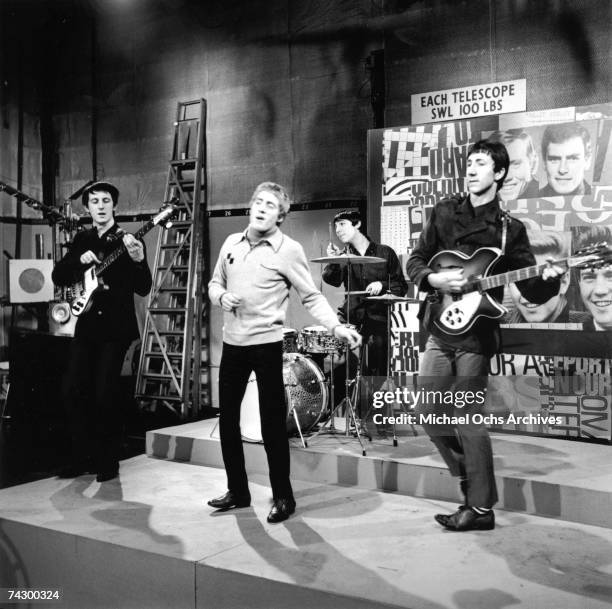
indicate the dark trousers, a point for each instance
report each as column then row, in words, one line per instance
column 237, row 363
column 466, row 448
column 90, row 393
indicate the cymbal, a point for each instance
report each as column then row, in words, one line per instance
column 388, row 298
column 348, row 259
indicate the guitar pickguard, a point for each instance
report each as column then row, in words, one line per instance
column 85, row 289
column 458, row 316
column 460, row 311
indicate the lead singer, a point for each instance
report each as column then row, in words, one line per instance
column 251, row 283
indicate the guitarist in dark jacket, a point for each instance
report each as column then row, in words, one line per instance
column 460, row 362
column 103, row 334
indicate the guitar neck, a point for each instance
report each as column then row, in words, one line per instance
column 120, row 250
column 495, row 281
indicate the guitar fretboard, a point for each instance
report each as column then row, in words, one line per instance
column 495, row 281
column 120, row 250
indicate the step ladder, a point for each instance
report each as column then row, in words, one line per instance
column 174, row 348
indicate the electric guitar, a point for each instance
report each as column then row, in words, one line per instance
column 80, row 294
column 460, row 310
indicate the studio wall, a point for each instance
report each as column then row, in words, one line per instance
column 286, row 82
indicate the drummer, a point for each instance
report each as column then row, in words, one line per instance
column 375, row 279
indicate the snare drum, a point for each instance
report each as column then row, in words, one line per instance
column 305, row 391
column 318, row 339
column 290, row 340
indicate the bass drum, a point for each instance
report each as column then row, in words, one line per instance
column 305, row 391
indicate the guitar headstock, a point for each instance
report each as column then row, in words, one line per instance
column 167, row 212
column 593, row 256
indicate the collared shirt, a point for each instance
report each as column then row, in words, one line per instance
column 261, row 275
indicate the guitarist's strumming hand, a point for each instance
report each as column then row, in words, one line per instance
column 447, row 281
column 89, row 257
column 134, row 247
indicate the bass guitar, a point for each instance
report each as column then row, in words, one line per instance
column 460, row 310
column 80, row 294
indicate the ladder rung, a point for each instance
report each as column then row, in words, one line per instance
column 174, row 267
column 167, row 310
column 180, row 223
column 170, row 246
column 160, row 354
column 190, row 102
column 149, row 396
column 157, row 375
column 183, row 183
column 173, row 290
column 166, row 332
column 183, row 161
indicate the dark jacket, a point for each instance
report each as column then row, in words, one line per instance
column 389, row 273
column 456, row 225
column 112, row 315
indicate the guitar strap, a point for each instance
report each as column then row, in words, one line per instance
column 504, row 231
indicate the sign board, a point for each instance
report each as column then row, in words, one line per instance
column 468, row 102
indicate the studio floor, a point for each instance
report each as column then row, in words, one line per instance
column 148, row 539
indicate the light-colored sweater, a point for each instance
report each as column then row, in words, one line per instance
column 261, row 276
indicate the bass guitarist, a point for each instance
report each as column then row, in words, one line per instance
column 460, row 362
column 102, row 336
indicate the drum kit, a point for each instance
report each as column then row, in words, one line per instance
column 306, row 389
column 309, row 396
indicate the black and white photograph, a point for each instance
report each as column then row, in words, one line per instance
column 306, row 304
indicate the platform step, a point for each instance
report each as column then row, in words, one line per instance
column 533, row 474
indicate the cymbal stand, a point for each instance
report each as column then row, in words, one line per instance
column 356, row 388
column 332, row 425
column 298, row 425
column 349, row 400
column 389, row 380
column 389, row 383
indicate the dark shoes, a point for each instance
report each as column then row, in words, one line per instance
column 229, row 501
column 466, row 519
column 281, row 510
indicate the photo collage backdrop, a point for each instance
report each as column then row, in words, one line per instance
column 557, row 357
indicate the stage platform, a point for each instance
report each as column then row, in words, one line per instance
column 549, row 477
column 147, row 540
